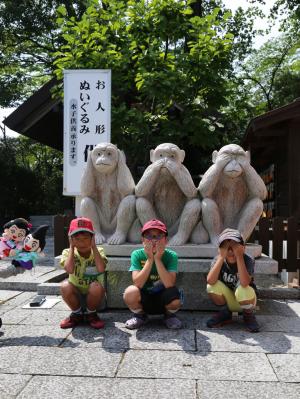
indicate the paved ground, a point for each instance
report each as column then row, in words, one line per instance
column 39, row 360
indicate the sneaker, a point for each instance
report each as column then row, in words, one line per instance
column 171, row 321
column 250, row 322
column 137, row 321
column 219, row 319
column 94, row 320
column 72, row 321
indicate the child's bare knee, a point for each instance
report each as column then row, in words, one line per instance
column 95, row 288
column 174, row 305
column 131, row 294
column 66, row 288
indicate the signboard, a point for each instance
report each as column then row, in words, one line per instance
column 87, row 110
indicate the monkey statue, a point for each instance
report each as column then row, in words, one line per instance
column 166, row 192
column 232, row 193
column 107, row 188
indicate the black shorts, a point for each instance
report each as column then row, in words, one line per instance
column 156, row 303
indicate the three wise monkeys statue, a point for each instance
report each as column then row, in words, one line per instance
column 230, row 194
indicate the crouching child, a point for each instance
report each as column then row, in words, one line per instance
column 154, row 269
column 85, row 263
column 230, row 282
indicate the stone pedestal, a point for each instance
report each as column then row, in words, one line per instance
column 183, row 251
column 193, row 266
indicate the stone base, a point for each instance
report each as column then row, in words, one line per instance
column 191, row 279
column 263, row 265
column 189, row 251
column 183, row 251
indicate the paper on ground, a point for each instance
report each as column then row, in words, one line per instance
column 49, row 303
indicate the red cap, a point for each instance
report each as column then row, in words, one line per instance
column 155, row 224
column 81, row 224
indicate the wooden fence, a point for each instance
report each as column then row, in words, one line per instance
column 279, row 237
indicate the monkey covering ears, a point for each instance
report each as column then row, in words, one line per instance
column 107, row 190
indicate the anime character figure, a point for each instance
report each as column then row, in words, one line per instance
column 33, row 245
column 14, row 234
column 25, row 258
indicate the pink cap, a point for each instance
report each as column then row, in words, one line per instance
column 81, row 224
column 155, row 224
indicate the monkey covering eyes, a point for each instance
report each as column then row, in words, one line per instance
column 232, row 193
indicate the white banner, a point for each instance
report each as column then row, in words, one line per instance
column 87, row 110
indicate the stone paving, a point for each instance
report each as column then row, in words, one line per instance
column 39, row 360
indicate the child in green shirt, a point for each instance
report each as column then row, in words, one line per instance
column 154, row 270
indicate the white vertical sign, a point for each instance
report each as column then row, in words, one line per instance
column 87, row 111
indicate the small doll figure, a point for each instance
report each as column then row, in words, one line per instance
column 25, row 258
column 34, row 243
column 14, row 234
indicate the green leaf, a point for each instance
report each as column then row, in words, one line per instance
column 62, row 10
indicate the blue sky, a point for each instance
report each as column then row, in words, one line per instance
column 234, row 4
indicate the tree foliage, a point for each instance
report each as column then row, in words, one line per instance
column 31, row 181
column 182, row 70
column 269, row 76
column 170, row 61
column 28, row 38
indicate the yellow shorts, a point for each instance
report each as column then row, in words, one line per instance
column 232, row 297
column 84, row 288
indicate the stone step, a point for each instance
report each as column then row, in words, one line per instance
column 183, row 251
column 46, row 281
column 191, row 278
column 263, row 265
column 30, row 280
column 205, row 304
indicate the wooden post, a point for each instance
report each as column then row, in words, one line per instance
column 278, row 237
column 264, row 235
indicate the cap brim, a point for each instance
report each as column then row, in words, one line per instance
column 236, row 239
column 156, row 228
column 80, row 230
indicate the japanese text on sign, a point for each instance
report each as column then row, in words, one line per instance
column 87, row 105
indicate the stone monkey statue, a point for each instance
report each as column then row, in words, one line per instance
column 166, row 191
column 232, row 193
column 107, row 188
